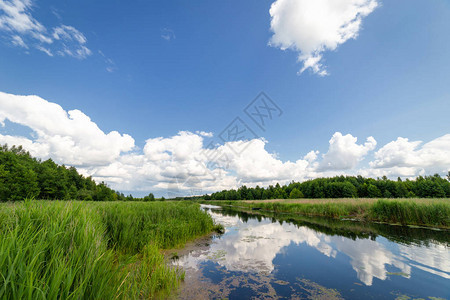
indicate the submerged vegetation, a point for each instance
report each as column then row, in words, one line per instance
column 74, row 250
column 421, row 212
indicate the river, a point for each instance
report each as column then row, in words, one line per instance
column 279, row 257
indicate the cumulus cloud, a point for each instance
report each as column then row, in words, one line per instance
column 256, row 165
column 344, row 153
column 185, row 164
column 313, row 27
column 68, row 137
column 23, row 30
column 394, row 172
column 311, row 156
column 414, row 156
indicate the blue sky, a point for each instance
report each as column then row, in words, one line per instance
column 155, row 68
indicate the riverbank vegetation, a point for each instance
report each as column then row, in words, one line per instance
column 93, row 250
column 420, row 212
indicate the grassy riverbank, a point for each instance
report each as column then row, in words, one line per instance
column 421, row 212
column 73, row 250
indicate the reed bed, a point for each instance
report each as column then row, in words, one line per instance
column 421, row 212
column 79, row 250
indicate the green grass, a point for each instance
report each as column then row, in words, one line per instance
column 74, row 250
column 421, row 212
column 412, row 213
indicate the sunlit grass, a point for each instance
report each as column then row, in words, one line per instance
column 79, row 250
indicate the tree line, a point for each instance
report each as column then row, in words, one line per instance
column 22, row 176
column 344, row 187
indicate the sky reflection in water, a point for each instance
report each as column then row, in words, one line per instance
column 274, row 249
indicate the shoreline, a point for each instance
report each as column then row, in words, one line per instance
column 421, row 212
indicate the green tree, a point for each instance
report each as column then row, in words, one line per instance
column 17, row 181
column 295, row 194
column 373, row 191
column 48, row 178
column 103, row 193
column 149, row 197
column 72, row 192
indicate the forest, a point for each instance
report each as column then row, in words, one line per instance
column 23, row 176
column 344, row 187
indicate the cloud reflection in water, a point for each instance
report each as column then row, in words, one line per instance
column 252, row 246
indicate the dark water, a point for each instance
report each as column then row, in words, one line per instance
column 278, row 257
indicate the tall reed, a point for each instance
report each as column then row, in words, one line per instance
column 423, row 212
column 79, row 250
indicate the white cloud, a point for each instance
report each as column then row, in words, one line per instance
column 311, row 156
column 17, row 41
column 312, row 27
column 204, row 133
column 256, row 165
column 175, row 163
column 394, row 172
column 45, row 50
column 183, row 164
column 16, row 17
column 167, row 34
column 405, row 153
column 110, row 64
column 68, row 137
column 68, row 33
column 344, row 153
column 18, row 24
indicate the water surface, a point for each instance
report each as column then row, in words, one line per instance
column 278, row 257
